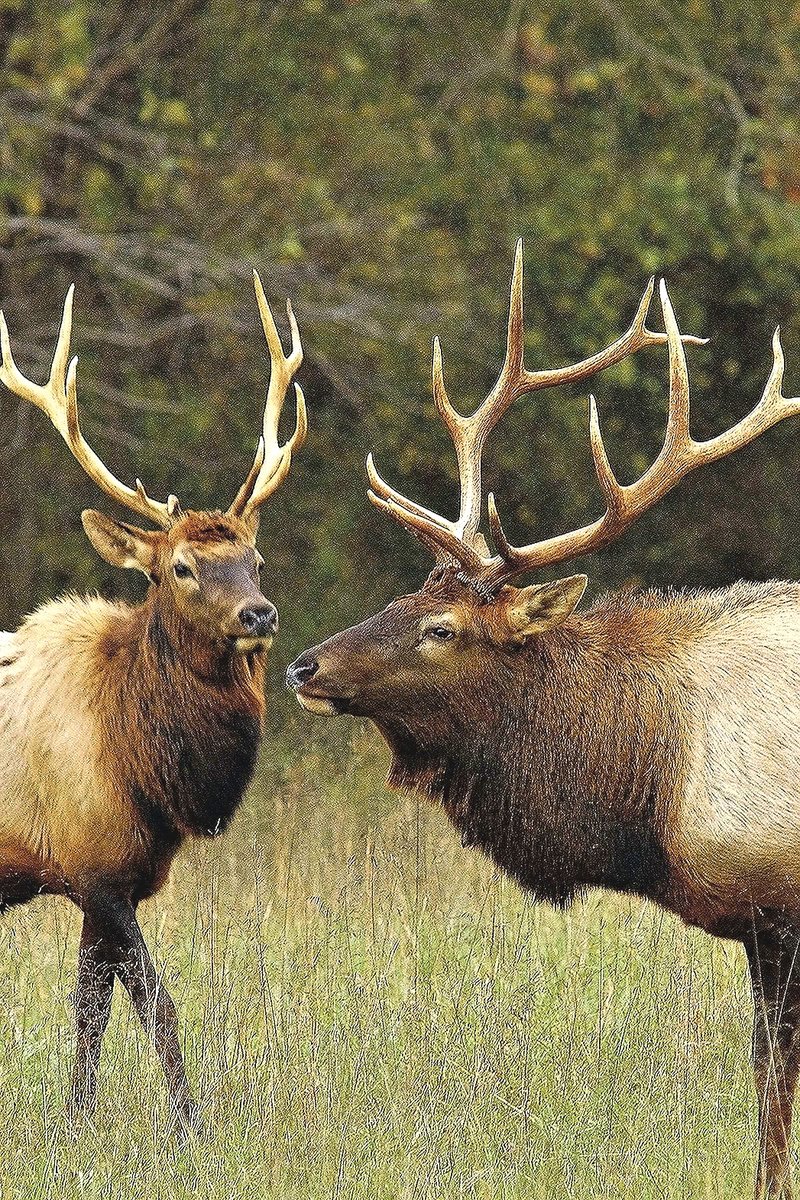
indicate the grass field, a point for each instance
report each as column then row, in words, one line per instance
column 370, row 1011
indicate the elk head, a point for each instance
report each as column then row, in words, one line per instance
column 416, row 667
column 203, row 567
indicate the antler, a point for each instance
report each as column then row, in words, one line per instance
column 679, row 455
column 461, row 540
column 272, row 461
column 59, row 399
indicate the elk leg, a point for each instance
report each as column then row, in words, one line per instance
column 773, row 954
column 151, row 1000
column 93, row 992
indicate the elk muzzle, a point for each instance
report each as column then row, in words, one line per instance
column 302, row 679
column 258, row 622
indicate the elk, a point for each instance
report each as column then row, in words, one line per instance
column 125, row 729
column 650, row 744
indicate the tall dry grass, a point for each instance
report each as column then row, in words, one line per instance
column 371, row 1011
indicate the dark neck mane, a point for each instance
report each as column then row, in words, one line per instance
column 569, row 783
column 186, row 720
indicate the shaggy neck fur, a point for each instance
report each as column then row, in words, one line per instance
column 183, row 720
column 571, row 783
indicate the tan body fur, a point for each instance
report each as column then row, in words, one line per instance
column 60, row 814
column 735, row 834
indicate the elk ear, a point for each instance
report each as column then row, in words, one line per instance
column 123, row 545
column 534, row 609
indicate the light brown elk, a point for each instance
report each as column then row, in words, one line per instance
column 125, row 729
column 650, row 744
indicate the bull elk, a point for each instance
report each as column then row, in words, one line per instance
column 650, row 744
column 125, row 729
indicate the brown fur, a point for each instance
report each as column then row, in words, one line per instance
column 209, row 529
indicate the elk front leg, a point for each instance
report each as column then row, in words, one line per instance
column 773, row 954
column 93, row 991
column 151, row 1000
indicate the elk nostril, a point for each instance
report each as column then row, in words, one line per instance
column 261, row 621
column 300, row 672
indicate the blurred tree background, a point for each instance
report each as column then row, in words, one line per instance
column 377, row 162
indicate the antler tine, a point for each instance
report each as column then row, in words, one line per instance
column 679, row 455
column 771, row 408
column 437, row 534
column 445, row 539
column 606, row 478
column 381, row 490
column 272, row 461
column 461, row 539
column 60, row 364
column 476, row 429
column 442, row 542
column 678, row 438
column 58, row 398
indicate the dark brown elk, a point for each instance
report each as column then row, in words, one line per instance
column 650, row 744
column 125, row 729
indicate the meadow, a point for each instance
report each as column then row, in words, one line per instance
column 370, row 1010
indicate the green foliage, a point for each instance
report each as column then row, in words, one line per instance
column 377, row 161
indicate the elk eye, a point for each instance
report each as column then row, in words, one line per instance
column 441, row 633
column 182, row 571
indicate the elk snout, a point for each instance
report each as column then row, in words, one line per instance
column 301, row 671
column 303, row 677
column 258, row 621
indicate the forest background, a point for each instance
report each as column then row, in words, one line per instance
column 376, row 162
